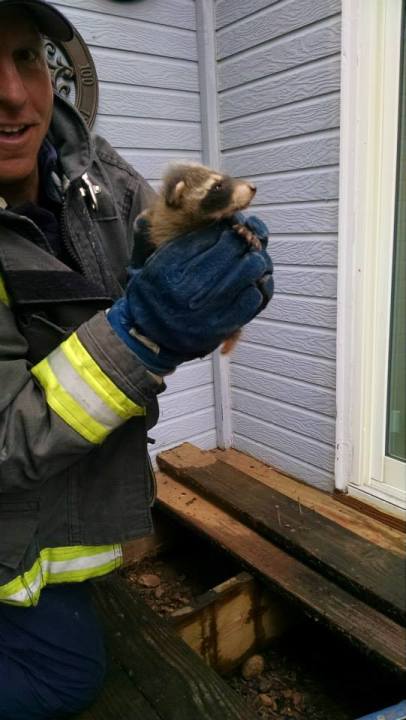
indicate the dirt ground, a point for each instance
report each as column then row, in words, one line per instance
column 308, row 674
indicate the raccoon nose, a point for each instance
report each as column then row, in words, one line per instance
column 252, row 187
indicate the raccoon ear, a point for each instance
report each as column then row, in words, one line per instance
column 174, row 192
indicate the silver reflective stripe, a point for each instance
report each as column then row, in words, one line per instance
column 55, row 567
column 80, row 391
column 46, row 570
column 26, row 593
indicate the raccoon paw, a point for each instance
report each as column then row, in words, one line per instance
column 230, row 342
column 248, row 235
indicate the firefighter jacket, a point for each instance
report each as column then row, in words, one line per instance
column 75, row 403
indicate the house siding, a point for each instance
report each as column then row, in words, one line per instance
column 147, row 64
column 278, row 100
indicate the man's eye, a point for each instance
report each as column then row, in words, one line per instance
column 27, row 55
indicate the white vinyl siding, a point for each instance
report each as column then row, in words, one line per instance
column 279, row 100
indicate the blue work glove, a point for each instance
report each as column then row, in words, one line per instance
column 192, row 294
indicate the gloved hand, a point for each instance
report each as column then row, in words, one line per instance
column 193, row 293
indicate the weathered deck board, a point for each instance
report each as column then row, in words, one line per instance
column 172, row 679
column 324, row 503
column 120, row 700
column 372, row 573
column 364, row 626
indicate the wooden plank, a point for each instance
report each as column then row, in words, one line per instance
column 287, row 390
column 164, row 538
column 232, row 621
column 367, row 570
column 322, row 599
column 319, row 78
column 272, row 22
column 371, row 510
column 169, row 675
column 305, row 117
column 278, row 156
column 119, row 699
column 352, row 519
column 292, row 50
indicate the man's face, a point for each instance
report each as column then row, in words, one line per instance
column 26, row 101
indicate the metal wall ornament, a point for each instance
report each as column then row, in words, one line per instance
column 74, row 75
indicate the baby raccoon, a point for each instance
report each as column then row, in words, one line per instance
column 192, row 197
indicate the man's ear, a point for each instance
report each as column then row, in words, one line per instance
column 174, row 192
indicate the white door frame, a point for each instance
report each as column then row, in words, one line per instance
column 369, row 113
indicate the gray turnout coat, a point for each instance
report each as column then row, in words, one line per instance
column 69, row 496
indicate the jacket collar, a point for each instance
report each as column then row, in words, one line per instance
column 70, row 135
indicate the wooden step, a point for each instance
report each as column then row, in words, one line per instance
column 322, row 599
column 154, row 675
column 372, row 573
column 232, row 621
column 326, row 504
column 120, row 699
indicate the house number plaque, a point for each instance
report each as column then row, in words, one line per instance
column 74, row 75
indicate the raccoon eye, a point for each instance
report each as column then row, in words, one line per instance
column 217, row 187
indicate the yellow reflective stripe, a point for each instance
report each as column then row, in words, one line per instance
column 61, row 565
column 4, row 298
column 88, row 369
column 80, row 391
column 66, row 407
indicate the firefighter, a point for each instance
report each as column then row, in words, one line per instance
column 84, row 349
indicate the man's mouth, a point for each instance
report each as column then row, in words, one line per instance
column 11, row 132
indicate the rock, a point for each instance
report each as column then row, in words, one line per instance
column 149, row 581
column 268, row 701
column 297, row 698
column 264, row 685
column 168, row 609
column 252, row 667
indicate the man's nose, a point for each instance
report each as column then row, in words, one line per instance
column 12, row 89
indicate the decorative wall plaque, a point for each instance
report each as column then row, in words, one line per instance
column 74, row 75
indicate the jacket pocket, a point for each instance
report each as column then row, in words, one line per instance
column 42, row 336
column 18, row 526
